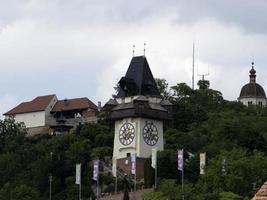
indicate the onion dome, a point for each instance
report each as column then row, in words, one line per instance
column 252, row 89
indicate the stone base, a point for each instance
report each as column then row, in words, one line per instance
column 37, row 130
column 125, row 164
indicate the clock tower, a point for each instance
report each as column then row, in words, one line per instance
column 139, row 113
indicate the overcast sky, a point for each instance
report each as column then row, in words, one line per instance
column 77, row 48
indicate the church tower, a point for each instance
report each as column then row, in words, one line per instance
column 138, row 112
column 252, row 93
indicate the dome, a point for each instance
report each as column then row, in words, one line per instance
column 253, row 90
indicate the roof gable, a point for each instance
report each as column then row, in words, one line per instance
column 40, row 103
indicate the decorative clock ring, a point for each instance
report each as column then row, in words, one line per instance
column 126, row 133
column 150, row 134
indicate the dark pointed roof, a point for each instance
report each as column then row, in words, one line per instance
column 138, row 79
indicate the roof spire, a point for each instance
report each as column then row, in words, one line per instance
column 252, row 76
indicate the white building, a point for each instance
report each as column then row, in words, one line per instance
column 252, row 93
column 47, row 114
column 34, row 114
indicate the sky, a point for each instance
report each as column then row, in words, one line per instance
column 81, row 48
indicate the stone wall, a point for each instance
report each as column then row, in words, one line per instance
column 133, row 195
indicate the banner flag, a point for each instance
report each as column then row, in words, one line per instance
column 180, row 159
column 96, row 169
column 154, row 158
column 114, row 166
column 78, row 174
column 202, row 162
column 133, row 161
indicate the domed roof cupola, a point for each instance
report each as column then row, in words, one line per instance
column 252, row 89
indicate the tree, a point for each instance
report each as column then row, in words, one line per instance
column 24, row 192
column 163, row 87
column 126, row 189
column 9, row 129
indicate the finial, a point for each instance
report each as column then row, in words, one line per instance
column 144, row 49
column 252, row 63
column 133, row 50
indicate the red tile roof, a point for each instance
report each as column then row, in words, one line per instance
column 40, row 103
column 73, row 104
column 262, row 193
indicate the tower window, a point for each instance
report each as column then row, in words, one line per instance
column 260, row 103
column 249, row 102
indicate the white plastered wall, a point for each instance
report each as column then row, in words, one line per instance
column 32, row 119
column 255, row 101
column 138, row 145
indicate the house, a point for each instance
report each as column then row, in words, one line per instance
column 47, row 114
column 262, row 193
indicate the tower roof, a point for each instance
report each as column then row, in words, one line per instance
column 252, row 89
column 138, row 79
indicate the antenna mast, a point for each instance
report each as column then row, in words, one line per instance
column 203, row 75
column 193, row 67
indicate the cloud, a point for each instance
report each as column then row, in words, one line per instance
column 8, row 101
column 82, row 48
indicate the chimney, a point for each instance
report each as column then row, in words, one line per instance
column 66, row 103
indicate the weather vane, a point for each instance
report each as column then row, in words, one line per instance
column 133, row 50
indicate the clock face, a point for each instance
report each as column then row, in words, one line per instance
column 150, row 134
column 126, row 133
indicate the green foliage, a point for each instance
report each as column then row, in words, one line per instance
column 154, row 196
column 233, row 136
column 229, row 196
column 163, row 87
column 26, row 163
column 20, row 192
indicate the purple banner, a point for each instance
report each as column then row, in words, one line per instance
column 180, row 159
column 133, row 161
column 96, row 169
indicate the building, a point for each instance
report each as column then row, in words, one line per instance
column 252, row 93
column 262, row 193
column 138, row 112
column 47, row 114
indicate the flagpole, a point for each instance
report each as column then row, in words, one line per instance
column 116, row 184
column 97, row 188
column 180, row 159
column 156, row 175
column 51, row 176
column 135, row 178
column 183, row 184
column 80, row 191
column 80, row 186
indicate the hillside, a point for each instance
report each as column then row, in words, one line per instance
column 233, row 136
